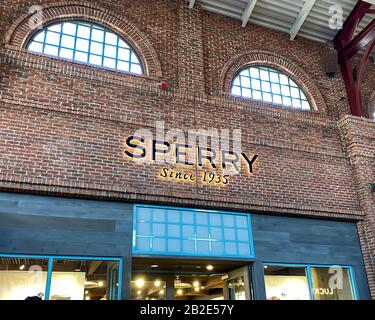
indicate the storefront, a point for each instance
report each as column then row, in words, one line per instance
column 71, row 249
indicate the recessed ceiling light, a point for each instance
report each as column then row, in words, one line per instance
column 22, row 267
column 265, row 267
column 199, row 267
column 196, row 284
column 196, row 289
column 210, row 267
column 180, row 292
column 157, row 283
column 154, row 266
column 140, row 283
column 100, row 283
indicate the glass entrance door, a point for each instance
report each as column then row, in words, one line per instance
column 237, row 285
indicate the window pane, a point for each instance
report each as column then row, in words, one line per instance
column 136, row 69
column 143, row 244
column 228, row 220
column 159, row 245
column 158, row 215
column 56, row 28
column 53, row 38
column 83, row 32
column 109, row 63
column 40, row 36
column 110, row 51
column 82, row 45
column 230, row 248
column 246, row 93
column 215, row 219
column 80, row 56
column 66, row 53
column 123, row 66
column 254, row 73
column 36, row 47
column 21, row 278
column 97, row 35
column 236, row 91
column 216, row 233
column 158, row 230
column 69, row 28
column 332, row 283
column 95, row 59
column 96, row 48
column 187, row 217
column 53, row 51
column 202, row 232
column 229, row 234
column 84, row 280
column 203, row 247
column 174, row 230
column 124, row 54
column 201, row 218
column 264, row 75
column 188, row 231
column 245, row 82
column 257, row 95
column 143, row 229
column 110, row 38
column 218, row 247
column 67, row 42
column 174, row 245
column 286, row 283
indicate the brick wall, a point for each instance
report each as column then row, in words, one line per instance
column 63, row 125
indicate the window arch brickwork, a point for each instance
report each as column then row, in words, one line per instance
column 256, row 58
column 19, row 34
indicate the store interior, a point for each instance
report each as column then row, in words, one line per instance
column 181, row 279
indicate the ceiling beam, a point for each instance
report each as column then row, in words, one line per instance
column 191, row 3
column 305, row 11
column 360, row 41
column 248, row 11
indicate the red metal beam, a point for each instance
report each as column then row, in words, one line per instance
column 348, row 46
column 360, row 42
column 351, row 23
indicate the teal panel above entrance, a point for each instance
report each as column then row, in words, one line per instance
column 191, row 232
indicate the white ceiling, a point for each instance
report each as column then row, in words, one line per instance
column 305, row 18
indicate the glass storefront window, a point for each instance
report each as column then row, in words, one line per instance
column 23, row 278
column 173, row 231
column 82, row 279
column 331, row 283
column 286, row 283
column 59, row 278
column 308, row 282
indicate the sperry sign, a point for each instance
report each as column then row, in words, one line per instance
column 210, row 150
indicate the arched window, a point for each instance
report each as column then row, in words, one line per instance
column 88, row 43
column 269, row 85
